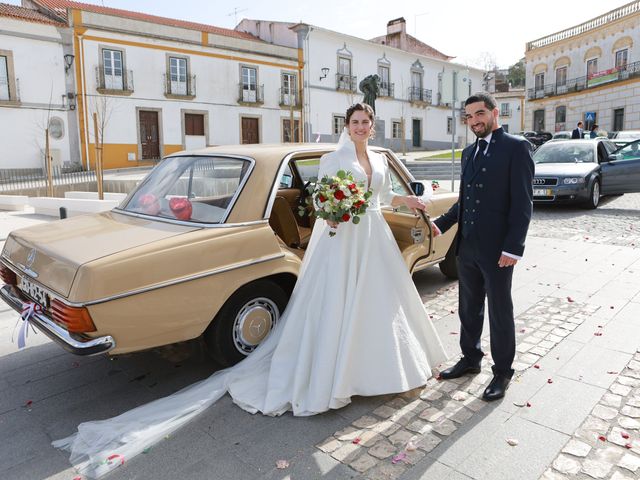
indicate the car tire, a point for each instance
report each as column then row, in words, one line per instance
column 244, row 321
column 449, row 266
column 594, row 195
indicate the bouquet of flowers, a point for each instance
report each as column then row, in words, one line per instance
column 338, row 199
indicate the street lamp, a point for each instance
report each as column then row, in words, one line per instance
column 68, row 61
column 325, row 71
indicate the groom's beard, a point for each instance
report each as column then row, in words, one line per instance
column 486, row 130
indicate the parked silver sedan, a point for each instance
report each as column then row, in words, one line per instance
column 581, row 171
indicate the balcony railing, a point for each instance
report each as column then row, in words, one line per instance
column 386, row 90
column 419, row 95
column 594, row 23
column 604, row 77
column 112, row 82
column 184, row 88
column 346, row 82
column 250, row 93
column 289, row 98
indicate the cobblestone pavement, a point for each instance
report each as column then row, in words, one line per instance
column 615, row 222
column 395, row 436
column 386, row 442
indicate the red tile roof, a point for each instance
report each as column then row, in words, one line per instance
column 413, row 45
column 28, row 14
column 59, row 7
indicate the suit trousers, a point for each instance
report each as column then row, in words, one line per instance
column 480, row 277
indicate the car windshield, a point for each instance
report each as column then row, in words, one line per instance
column 630, row 150
column 565, row 152
column 192, row 189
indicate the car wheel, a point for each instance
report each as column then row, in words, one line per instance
column 244, row 321
column 594, row 195
column 449, row 266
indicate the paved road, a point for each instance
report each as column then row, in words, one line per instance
column 45, row 392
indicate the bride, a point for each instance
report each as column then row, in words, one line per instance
column 355, row 325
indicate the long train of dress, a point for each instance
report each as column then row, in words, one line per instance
column 355, row 325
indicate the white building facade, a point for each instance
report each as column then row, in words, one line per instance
column 410, row 112
column 33, row 94
column 589, row 72
column 512, row 109
column 160, row 85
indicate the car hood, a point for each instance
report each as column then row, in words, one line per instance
column 53, row 252
column 565, row 169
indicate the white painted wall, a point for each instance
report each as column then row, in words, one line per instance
column 41, row 85
column 217, row 89
column 325, row 100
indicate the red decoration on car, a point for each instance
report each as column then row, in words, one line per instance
column 181, row 208
column 149, row 204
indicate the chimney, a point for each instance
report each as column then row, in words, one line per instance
column 398, row 25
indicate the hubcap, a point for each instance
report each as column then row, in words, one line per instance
column 596, row 193
column 253, row 323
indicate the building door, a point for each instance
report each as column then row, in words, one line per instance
column 417, row 133
column 149, row 137
column 250, row 130
column 538, row 120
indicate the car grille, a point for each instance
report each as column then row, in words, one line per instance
column 545, row 181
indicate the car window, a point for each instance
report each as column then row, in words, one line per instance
column 286, row 181
column 602, row 153
column 610, row 147
column 308, row 168
column 194, row 189
column 565, row 152
column 630, row 151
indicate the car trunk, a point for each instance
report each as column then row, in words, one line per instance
column 63, row 246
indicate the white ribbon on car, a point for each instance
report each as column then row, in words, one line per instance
column 29, row 309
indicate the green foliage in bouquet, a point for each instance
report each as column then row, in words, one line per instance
column 337, row 198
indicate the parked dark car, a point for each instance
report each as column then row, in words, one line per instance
column 583, row 170
column 536, row 138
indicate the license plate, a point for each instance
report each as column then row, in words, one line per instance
column 33, row 291
column 542, row 192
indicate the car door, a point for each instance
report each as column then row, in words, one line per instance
column 412, row 231
column 621, row 170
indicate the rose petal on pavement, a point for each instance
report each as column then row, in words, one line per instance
column 602, row 438
column 549, row 380
column 569, row 299
column 398, row 458
column 356, row 440
column 282, row 464
column 536, row 366
column 625, row 435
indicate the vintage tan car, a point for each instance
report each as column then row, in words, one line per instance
column 208, row 244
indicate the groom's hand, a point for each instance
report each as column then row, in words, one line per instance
column 506, row 261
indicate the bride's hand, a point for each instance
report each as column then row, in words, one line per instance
column 332, row 224
column 414, row 203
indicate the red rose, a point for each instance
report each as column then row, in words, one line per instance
column 149, row 204
column 322, row 198
column 358, row 204
column 339, row 194
column 181, row 208
column 346, row 217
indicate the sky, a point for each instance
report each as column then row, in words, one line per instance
column 470, row 30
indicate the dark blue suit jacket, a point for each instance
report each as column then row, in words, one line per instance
column 504, row 192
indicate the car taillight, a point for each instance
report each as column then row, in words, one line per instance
column 74, row 319
column 8, row 276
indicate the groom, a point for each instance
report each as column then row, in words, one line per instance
column 493, row 213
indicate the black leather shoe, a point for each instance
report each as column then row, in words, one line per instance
column 496, row 388
column 459, row 369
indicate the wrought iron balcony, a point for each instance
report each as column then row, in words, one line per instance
column 252, row 94
column 419, row 95
column 604, row 77
column 174, row 88
column 386, row 90
column 346, row 83
column 114, row 82
column 289, row 98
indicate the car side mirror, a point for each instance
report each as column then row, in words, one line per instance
column 612, row 157
column 417, row 188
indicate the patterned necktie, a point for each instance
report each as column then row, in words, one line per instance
column 482, row 144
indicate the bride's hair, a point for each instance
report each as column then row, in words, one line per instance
column 362, row 107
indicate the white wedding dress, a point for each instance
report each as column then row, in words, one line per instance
column 355, row 325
